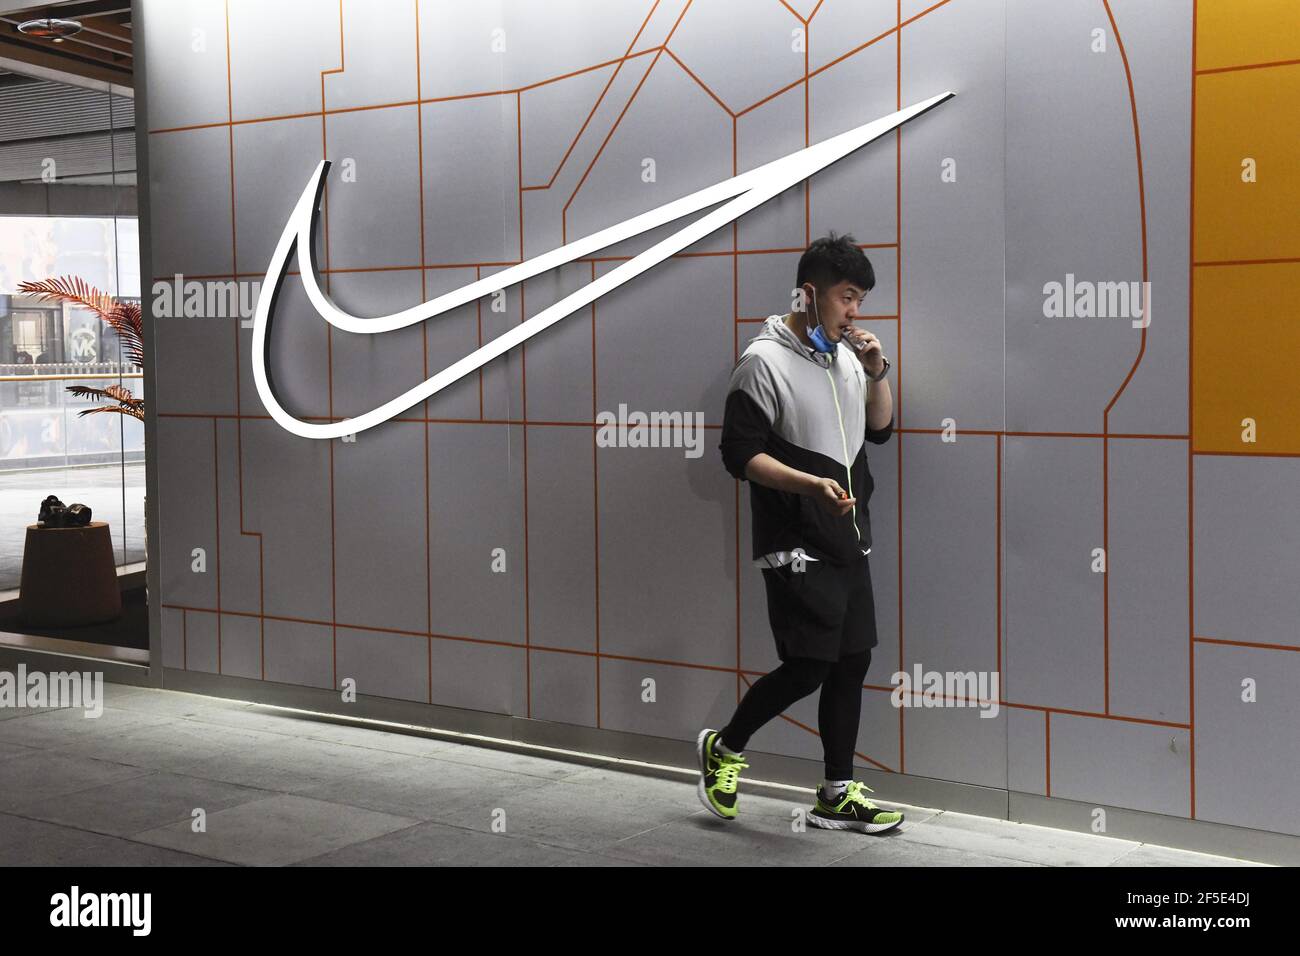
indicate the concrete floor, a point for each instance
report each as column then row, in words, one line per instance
column 99, row 486
column 279, row 788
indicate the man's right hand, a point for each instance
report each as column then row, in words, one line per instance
column 829, row 495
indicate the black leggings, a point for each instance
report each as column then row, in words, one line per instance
column 838, row 710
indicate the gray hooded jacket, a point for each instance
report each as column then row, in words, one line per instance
column 808, row 410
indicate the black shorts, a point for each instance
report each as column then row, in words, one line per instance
column 826, row 611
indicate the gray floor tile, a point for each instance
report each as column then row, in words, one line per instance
column 21, row 839
column 276, row 831
column 217, row 711
column 371, row 738
column 44, row 775
column 9, row 713
column 426, row 789
column 1150, row 855
column 171, row 703
column 577, row 817
column 35, row 843
column 174, row 745
column 436, row 844
column 1018, row 841
column 138, row 803
column 114, row 851
column 897, row 850
column 14, row 750
column 613, row 784
column 288, row 765
column 60, row 728
column 547, row 768
column 600, row 859
column 784, row 807
column 705, row 840
column 256, row 717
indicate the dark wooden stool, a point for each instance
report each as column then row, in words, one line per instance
column 69, row 577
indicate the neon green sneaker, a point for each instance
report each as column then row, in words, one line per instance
column 852, row 811
column 719, row 775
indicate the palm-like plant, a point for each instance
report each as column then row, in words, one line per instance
column 123, row 317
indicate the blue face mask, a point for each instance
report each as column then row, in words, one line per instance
column 816, row 333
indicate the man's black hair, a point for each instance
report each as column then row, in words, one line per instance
column 833, row 259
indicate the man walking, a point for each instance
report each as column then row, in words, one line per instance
column 807, row 394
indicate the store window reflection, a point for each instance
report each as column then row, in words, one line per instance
column 46, row 446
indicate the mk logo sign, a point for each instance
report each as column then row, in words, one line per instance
column 745, row 191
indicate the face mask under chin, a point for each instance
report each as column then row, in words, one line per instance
column 816, row 334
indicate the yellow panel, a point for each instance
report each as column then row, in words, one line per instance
column 1245, row 345
column 1240, row 115
column 1238, row 32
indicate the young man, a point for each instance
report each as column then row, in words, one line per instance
column 807, row 394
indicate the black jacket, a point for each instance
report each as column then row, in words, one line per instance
column 808, row 411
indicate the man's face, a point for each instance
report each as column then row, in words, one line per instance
column 838, row 307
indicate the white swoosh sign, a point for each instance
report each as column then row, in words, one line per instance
column 749, row 190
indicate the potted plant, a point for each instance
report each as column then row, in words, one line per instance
column 125, row 320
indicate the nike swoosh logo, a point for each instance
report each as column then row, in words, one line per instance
column 745, row 191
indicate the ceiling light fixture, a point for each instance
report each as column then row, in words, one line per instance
column 50, row 28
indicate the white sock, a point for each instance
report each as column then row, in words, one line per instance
column 722, row 748
column 835, row 788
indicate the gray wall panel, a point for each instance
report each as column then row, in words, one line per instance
column 469, row 598
column 190, row 178
column 447, row 338
column 1053, row 652
column 1158, row 38
column 371, row 221
column 953, row 232
column 173, row 649
column 302, row 43
column 950, row 587
column 1067, row 213
column 1026, row 750
column 862, row 191
column 271, row 163
column 471, row 171
column 1122, row 764
column 560, row 360
column 768, row 132
column 368, row 370
column 241, row 646
column 379, row 540
column 186, row 455
column 480, row 676
column 957, row 743
column 240, row 549
column 680, row 694
column 666, row 541
column 187, row 39
column 1233, row 784
column 200, row 641
column 562, row 537
column 1147, row 572
column 1247, row 540
column 564, row 687
column 298, row 653
column 384, row 665
column 289, row 505
column 483, row 172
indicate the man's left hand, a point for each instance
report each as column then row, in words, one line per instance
column 871, row 356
